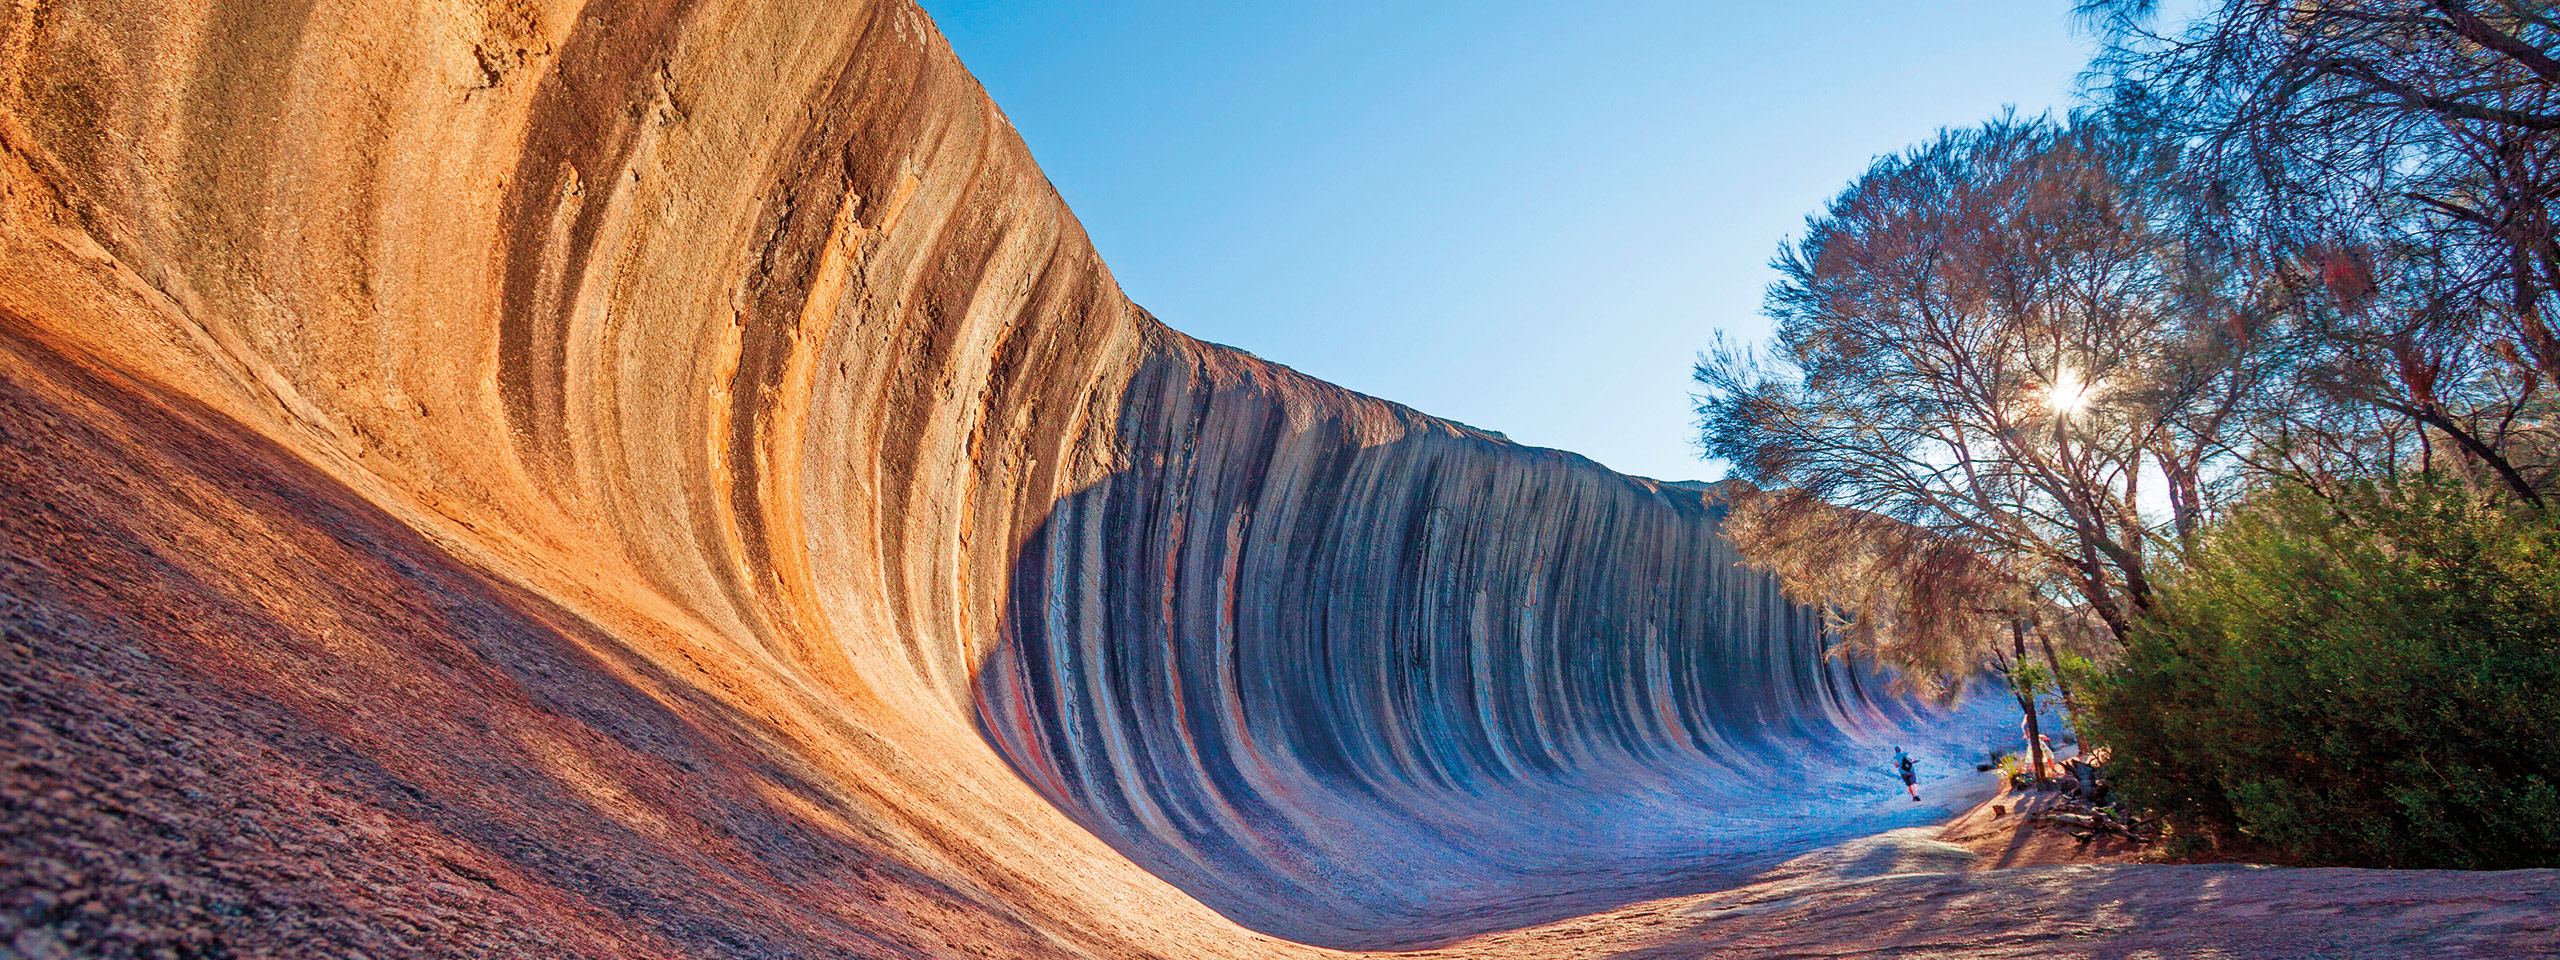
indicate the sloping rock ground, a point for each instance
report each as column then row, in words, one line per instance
column 670, row 479
column 251, row 715
column 1905, row 894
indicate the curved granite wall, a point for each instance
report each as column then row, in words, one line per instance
column 1361, row 677
column 746, row 334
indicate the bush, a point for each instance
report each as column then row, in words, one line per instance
column 2374, row 682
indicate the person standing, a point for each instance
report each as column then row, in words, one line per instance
column 1910, row 773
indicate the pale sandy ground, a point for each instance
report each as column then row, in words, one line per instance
column 1982, row 886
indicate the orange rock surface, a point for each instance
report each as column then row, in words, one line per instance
column 627, row 479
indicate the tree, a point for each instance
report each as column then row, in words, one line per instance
column 1898, row 595
column 1990, row 340
column 1891, row 593
column 2366, row 679
column 2392, row 165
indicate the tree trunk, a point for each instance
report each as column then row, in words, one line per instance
column 2027, row 702
column 2186, row 502
column 2054, row 661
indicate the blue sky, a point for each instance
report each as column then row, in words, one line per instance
column 1529, row 217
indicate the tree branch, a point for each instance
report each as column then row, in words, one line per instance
column 2478, row 31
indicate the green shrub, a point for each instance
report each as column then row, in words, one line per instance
column 2374, row 682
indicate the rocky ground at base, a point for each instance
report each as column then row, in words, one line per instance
column 2005, row 831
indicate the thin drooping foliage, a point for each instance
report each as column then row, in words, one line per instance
column 1891, row 593
column 2390, row 165
column 1990, row 340
column 2245, row 384
column 1895, row 594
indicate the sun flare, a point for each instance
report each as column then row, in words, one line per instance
column 2070, row 394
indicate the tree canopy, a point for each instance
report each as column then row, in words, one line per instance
column 2242, row 378
column 1991, row 338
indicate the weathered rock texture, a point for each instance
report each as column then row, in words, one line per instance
column 670, row 479
column 1357, row 676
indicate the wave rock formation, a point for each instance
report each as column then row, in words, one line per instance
column 621, row 478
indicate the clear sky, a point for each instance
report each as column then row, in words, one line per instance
column 1527, row 216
